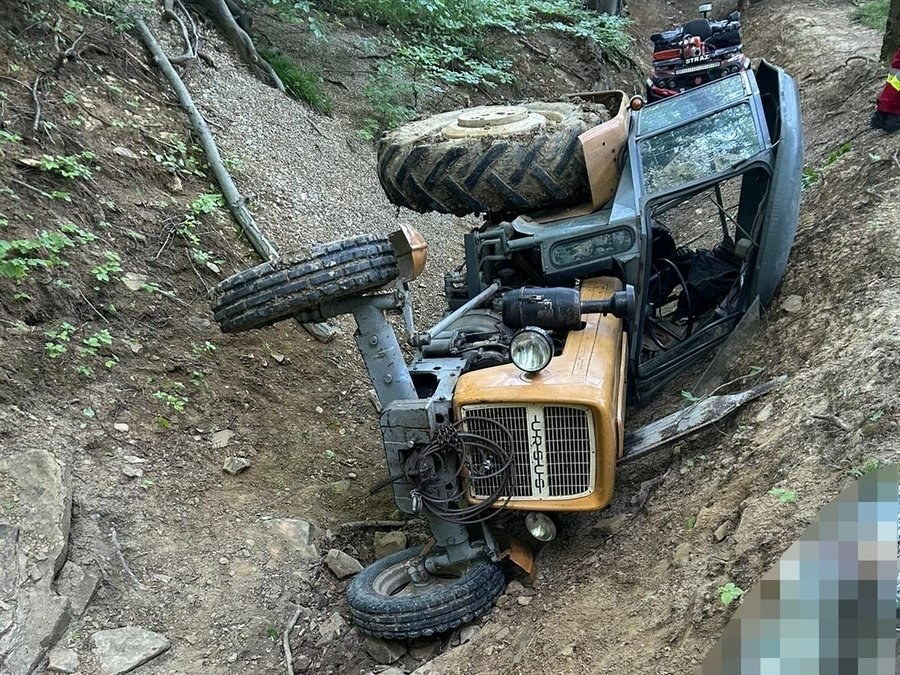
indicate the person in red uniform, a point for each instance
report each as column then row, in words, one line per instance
column 887, row 108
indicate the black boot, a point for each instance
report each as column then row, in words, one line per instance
column 889, row 123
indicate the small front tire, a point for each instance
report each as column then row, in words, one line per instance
column 386, row 604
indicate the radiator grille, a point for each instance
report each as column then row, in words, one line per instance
column 553, row 450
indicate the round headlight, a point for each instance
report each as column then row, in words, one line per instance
column 540, row 526
column 531, row 349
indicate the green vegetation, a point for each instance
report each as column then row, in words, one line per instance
column 299, row 82
column 19, row 256
column 785, row 496
column 173, row 401
column 812, row 176
column 67, row 166
column 435, row 43
column 865, row 469
column 391, row 95
column 104, row 271
column 873, row 13
column 729, row 593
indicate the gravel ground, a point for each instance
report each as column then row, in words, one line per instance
column 308, row 178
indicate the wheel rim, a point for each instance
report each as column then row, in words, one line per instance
column 394, row 582
column 487, row 117
column 495, row 120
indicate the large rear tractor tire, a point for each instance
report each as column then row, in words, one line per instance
column 293, row 284
column 386, row 604
column 497, row 160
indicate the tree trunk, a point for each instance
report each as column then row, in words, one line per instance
column 221, row 14
column 892, row 32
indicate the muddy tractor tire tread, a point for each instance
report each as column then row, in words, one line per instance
column 407, row 617
column 298, row 283
column 491, row 175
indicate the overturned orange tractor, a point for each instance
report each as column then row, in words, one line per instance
column 621, row 244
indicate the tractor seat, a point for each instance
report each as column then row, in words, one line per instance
column 699, row 28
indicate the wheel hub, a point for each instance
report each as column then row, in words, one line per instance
column 494, row 120
column 488, row 117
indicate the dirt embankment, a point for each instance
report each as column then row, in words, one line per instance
column 214, row 561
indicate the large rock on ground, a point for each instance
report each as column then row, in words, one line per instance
column 288, row 538
column 121, row 650
column 43, row 510
column 79, row 584
column 33, row 547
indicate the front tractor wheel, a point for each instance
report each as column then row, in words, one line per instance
column 386, row 603
column 297, row 283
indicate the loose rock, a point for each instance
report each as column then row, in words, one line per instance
column 122, row 649
column 33, row 616
column 221, row 438
column 302, row 662
column 79, row 584
column 424, row 650
column 332, row 627
column 121, row 426
column 466, row 633
column 234, row 465
column 341, row 564
column 134, row 281
column 524, row 600
column 384, row 651
column 387, row 543
column 62, row 660
column 132, row 471
column 609, row 526
column 722, row 531
column 792, row 304
column 515, row 588
column 682, row 553
column 292, row 537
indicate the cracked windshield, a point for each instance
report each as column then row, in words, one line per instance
column 702, row 148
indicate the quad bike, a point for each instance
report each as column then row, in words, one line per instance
column 579, row 292
column 694, row 54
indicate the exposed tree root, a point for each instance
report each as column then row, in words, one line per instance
column 222, row 14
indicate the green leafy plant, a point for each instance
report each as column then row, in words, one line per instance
column 19, row 256
column 84, row 371
column 178, row 158
column 207, row 346
column 97, row 340
column 207, row 203
column 58, row 337
column 301, row 83
column 59, row 195
column 785, row 496
column 155, row 288
column 865, row 469
column 391, row 95
column 112, row 266
column 872, row 13
column 172, row 401
column 729, row 593
column 68, row 166
column 83, row 236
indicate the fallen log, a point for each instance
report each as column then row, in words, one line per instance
column 236, row 203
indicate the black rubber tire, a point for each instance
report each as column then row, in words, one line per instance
column 499, row 173
column 297, row 283
column 407, row 617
